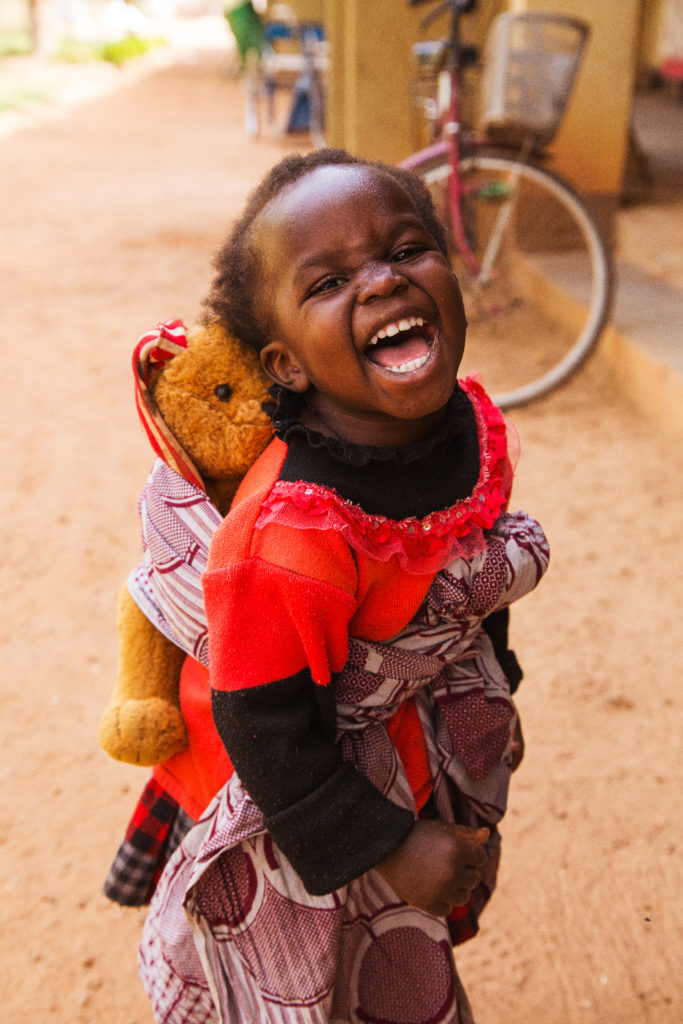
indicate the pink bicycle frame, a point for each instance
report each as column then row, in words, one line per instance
column 450, row 145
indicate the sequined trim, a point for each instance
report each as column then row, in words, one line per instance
column 422, row 545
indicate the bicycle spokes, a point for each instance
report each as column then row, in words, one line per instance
column 534, row 276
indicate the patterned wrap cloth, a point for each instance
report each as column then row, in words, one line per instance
column 231, row 926
column 177, row 521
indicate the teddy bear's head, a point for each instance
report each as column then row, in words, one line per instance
column 199, row 395
column 210, row 398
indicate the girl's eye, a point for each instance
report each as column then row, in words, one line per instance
column 405, row 252
column 325, row 285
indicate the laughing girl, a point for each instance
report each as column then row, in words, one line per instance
column 356, row 597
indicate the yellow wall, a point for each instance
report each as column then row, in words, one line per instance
column 591, row 146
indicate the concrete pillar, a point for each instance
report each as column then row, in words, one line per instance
column 649, row 35
column 370, row 82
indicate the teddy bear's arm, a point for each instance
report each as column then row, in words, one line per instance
column 142, row 723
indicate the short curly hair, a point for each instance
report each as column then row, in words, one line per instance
column 234, row 297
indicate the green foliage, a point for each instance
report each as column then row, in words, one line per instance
column 16, row 99
column 15, row 44
column 115, row 52
column 132, row 46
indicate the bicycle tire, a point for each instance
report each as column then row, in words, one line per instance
column 538, row 318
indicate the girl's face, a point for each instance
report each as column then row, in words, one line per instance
column 364, row 311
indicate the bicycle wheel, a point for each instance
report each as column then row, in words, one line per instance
column 541, row 294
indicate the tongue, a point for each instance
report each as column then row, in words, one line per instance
column 396, row 355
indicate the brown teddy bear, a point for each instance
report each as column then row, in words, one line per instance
column 200, row 399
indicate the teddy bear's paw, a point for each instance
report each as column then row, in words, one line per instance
column 144, row 732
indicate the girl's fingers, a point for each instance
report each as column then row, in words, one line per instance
column 473, row 835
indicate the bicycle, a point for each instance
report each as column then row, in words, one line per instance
column 535, row 274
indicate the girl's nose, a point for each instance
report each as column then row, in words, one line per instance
column 380, row 280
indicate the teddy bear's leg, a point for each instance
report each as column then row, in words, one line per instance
column 142, row 723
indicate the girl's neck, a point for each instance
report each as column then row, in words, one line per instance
column 378, row 432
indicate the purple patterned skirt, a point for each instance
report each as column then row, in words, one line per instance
column 233, row 936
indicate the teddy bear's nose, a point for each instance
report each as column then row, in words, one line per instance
column 249, row 412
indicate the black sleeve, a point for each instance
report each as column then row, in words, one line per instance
column 328, row 819
column 496, row 625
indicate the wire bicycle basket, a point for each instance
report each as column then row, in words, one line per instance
column 530, row 64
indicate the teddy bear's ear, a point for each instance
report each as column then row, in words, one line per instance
column 152, row 352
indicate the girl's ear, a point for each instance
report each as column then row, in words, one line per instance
column 281, row 366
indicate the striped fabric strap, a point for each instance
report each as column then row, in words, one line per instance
column 156, row 348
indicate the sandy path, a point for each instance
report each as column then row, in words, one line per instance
column 108, row 222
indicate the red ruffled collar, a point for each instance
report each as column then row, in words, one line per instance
column 421, row 545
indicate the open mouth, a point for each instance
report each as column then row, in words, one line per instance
column 402, row 346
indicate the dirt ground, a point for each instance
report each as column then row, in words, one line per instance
column 108, row 221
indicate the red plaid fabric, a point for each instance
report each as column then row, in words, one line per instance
column 155, row 830
column 152, row 819
column 463, row 923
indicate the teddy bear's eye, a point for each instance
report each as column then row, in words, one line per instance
column 223, row 392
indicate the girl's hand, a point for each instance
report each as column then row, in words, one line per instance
column 437, row 866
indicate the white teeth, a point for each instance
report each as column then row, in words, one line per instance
column 393, row 329
column 414, row 364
